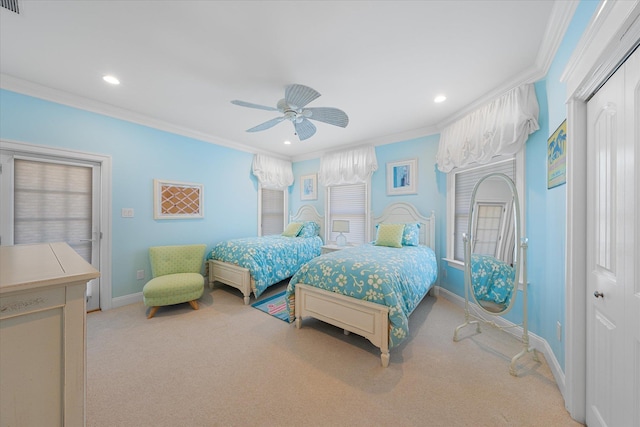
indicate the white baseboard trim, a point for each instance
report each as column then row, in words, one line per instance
column 537, row 342
column 126, row 300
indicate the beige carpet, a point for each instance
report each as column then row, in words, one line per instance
column 228, row 364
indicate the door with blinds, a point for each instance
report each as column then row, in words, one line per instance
column 52, row 200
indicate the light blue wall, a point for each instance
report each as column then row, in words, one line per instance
column 431, row 182
column 140, row 154
column 545, row 208
column 306, row 167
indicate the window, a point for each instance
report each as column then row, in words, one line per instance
column 273, row 206
column 491, row 218
column 53, row 203
column 350, row 203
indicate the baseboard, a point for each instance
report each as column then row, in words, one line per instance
column 537, row 342
column 126, row 300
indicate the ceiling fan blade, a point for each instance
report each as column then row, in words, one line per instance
column 299, row 95
column 251, row 105
column 266, row 125
column 305, row 129
column 333, row 116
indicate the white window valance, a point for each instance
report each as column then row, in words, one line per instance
column 499, row 128
column 271, row 172
column 347, row 167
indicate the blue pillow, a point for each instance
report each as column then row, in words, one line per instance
column 309, row 229
column 411, row 234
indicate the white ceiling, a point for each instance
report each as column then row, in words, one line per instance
column 182, row 62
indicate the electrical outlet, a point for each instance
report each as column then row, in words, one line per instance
column 559, row 331
column 127, row 213
column 443, row 272
column 140, row 274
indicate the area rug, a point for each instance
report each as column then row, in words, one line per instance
column 275, row 305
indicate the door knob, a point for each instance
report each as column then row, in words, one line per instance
column 598, row 294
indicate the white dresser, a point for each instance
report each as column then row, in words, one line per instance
column 43, row 335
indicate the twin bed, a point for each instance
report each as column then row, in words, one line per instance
column 369, row 290
column 253, row 264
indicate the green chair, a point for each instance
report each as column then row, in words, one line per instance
column 177, row 277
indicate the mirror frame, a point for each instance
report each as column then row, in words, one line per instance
column 468, row 239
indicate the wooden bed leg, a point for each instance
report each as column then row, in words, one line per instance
column 298, row 322
column 247, row 299
column 385, row 359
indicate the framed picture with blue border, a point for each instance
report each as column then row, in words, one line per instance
column 402, row 177
column 309, row 187
column 557, row 157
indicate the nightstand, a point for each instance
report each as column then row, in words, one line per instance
column 332, row 248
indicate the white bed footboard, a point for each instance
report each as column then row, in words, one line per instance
column 364, row 318
column 232, row 275
column 240, row 277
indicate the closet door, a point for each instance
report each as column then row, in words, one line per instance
column 613, row 288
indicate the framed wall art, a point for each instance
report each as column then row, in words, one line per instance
column 177, row 200
column 402, row 177
column 309, row 187
column 557, row 157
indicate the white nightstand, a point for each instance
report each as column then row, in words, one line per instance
column 332, row 248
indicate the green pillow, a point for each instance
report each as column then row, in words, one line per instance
column 390, row 235
column 292, row 229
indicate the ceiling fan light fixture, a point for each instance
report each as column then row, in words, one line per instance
column 293, row 109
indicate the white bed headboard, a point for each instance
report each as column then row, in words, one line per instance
column 309, row 213
column 405, row 213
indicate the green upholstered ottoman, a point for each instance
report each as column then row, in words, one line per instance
column 176, row 276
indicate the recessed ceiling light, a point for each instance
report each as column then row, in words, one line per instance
column 287, row 142
column 440, row 98
column 111, row 79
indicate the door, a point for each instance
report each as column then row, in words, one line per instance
column 613, row 291
column 53, row 200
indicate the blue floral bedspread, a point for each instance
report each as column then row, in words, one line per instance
column 395, row 277
column 269, row 259
column 492, row 279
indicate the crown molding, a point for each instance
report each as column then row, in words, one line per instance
column 557, row 26
column 383, row 140
column 613, row 31
column 25, row 87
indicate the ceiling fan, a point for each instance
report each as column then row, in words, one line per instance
column 296, row 97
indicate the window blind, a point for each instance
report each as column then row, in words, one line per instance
column 464, row 182
column 272, row 211
column 52, row 203
column 348, row 202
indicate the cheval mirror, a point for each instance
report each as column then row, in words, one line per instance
column 495, row 255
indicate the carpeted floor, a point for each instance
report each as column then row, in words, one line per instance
column 228, row 364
